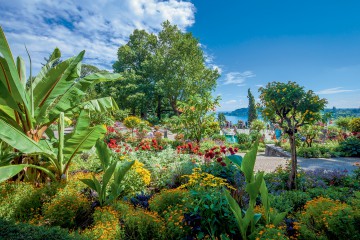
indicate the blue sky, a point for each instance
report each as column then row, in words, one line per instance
column 315, row 43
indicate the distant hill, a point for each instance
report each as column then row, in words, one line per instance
column 343, row 112
column 238, row 112
column 336, row 112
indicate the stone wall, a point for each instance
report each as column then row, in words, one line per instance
column 274, row 151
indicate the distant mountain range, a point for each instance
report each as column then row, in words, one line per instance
column 238, row 112
column 336, row 112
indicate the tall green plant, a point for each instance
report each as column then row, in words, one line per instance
column 112, row 169
column 27, row 112
column 255, row 185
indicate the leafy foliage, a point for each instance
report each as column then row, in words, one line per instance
column 252, row 114
column 288, row 105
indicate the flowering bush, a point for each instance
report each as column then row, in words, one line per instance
column 166, row 199
column 106, row 225
column 166, row 166
column 149, row 145
column 65, row 207
column 142, row 225
column 328, row 218
column 204, row 180
column 136, row 179
column 22, row 201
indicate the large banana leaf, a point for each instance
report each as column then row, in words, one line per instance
column 9, row 74
column 82, row 141
column 20, row 141
column 9, row 171
column 101, row 105
column 8, row 114
column 46, row 68
column 57, row 81
column 71, row 98
column 20, row 65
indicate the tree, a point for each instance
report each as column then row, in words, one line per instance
column 180, row 67
column 252, row 114
column 343, row 122
column 290, row 106
column 161, row 70
column 221, row 119
column 195, row 121
column 135, row 62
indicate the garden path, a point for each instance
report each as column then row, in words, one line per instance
column 269, row 164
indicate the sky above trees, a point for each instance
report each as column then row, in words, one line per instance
column 315, row 43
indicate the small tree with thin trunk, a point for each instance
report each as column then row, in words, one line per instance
column 290, row 106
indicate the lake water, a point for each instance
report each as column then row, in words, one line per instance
column 235, row 119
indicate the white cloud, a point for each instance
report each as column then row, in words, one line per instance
column 98, row 27
column 231, row 102
column 334, row 90
column 259, row 85
column 209, row 60
column 237, row 77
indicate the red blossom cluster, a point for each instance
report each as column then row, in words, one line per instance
column 123, row 149
column 110, row 130
column 219, row 154
column 146, row 145
column 189, row 148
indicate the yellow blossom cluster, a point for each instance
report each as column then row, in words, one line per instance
column 141, row 171
column 202, row 179
column 106, row 224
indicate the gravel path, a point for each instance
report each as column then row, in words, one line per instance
column 269, row 164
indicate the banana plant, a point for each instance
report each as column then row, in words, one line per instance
column 255, row 185
column 112, row 169
column 26, row 112
column 67, row 147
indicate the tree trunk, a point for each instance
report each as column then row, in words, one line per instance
column 158, row 110
column 293, row 173
column 173, row 106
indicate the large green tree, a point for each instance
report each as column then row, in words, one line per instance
column 290, row 106
column 252, row 114
column 161, row 70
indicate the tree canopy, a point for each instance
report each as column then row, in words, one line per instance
column 161, row 70
column 290, row 106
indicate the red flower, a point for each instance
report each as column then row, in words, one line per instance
column 219, row 159
column 223, row 164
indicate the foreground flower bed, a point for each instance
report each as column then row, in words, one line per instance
column 179, row 194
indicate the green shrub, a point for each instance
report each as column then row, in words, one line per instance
column 334, row 193
column 324, row 218
column 291, row 201
column 20, row 231
column 175, row 223
column 136, row 179
column 243, row 138
column 106, row 225
column 23, row 201
column 218, row 137
column 143, row 225
column 66, row 208
column 270, row 232
column 167, row 198
column 350, row 147
column 213, row 210
column 355, row 125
